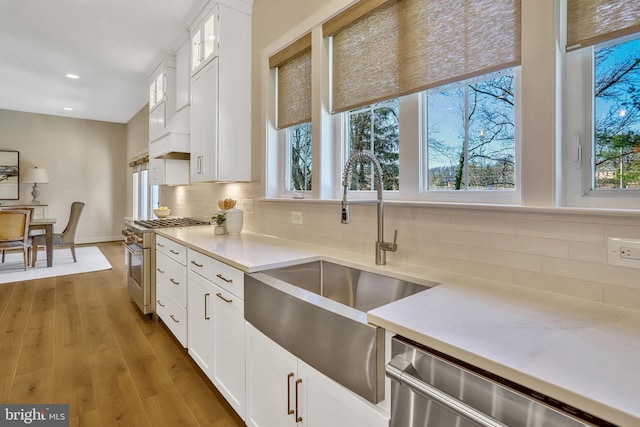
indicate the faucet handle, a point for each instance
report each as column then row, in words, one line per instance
column 394, row 246
column 390, row 247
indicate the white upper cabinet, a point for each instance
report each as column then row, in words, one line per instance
column 183, row 74
column 162, row 95
column 204, row 41
column 221, row 92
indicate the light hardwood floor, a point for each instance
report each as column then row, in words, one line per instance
column 80, row 340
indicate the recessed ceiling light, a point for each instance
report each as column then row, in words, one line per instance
column 72, row 76
column 68, row 108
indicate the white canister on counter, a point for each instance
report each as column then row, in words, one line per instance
column 234, row 221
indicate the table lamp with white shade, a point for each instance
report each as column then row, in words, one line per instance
column 36, row 176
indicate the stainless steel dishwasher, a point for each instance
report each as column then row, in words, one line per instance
column 432, row 390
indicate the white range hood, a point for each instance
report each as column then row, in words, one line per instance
column 175, row 143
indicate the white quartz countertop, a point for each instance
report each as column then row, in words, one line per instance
column 249, row 252
column 583, row 353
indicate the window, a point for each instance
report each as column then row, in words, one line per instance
column 370, row 67
column 601, row 120
column 293, row 105
column 145, row 196
column 616, row 93
column 471, row 141
column 374, row 129
column 298, row 162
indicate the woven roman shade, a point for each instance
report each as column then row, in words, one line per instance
column 406, row 46
column 596, row 21
column 294, row 82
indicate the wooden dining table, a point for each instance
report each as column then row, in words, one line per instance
column 45, row 224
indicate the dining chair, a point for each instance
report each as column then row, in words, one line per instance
column 66, row 238
column 31, row 218
column 14, row 232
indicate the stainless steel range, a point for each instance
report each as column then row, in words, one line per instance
column 140, row 241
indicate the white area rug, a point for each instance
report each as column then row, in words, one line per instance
column 89, row 258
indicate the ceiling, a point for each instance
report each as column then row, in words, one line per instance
column 109, row 44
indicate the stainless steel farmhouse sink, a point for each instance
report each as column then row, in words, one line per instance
column 317, row 311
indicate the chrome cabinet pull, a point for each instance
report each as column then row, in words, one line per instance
column 289, row 410
column 219, row 295
column 196, row 264
column 206, row 298
column 298, row 418
column 220, row 276
column 160, row 270
column 159, row 303
column 174, row 282
column 174, row 252
column 174, row 319
column 160, row 245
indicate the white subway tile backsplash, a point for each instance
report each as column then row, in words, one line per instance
column 590, row 252
column 622, row 297
column 563, row 230
column 485, row 271
column 589, row 271
column 563, row 252
column 531, row 245
column 507, row 259
column 486, row 224
column 560, row 285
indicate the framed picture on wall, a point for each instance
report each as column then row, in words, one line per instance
column 9, row 175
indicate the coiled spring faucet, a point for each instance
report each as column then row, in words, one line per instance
column 381, row 246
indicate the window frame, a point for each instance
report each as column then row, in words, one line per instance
column 144, row 195
column 285, row 135
column 474, row 196
column 513, row 195
column 578, row 135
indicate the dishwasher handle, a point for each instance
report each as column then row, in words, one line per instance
column 397, row 370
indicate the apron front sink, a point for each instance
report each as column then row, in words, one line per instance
column 318, row 312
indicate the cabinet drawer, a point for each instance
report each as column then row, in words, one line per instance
column 172, row 249
column 200, row 263
column 173, row 315
column 171, row 277
column 228, row 278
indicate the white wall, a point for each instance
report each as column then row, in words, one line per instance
column 137, row 146
column 85, row 160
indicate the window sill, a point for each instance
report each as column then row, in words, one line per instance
column 551, row 210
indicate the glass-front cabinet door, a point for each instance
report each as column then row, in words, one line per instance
column 196, row 50
column 210, row 36
column 204, row 41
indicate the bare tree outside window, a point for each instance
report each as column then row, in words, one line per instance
column 299, row 157
column 375, row 129
column 471, row 135
column 617, row 116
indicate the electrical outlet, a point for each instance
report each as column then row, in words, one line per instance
column 630, row 253
column 296, row 217
column 624, row 252
column 247, row 205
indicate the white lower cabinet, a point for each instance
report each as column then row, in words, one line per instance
column 271, row 377
column 228, row 348
column 200, row 321
column 172, row 314
column 216, row 327
column 282, row 391
column 171, row 287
